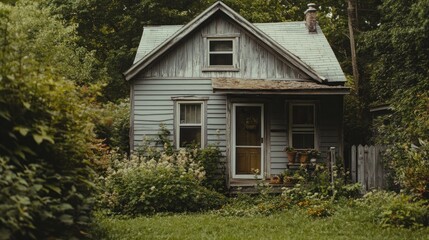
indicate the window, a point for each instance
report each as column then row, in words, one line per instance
column 189, row 124
column 302, row 126
column 221, row 52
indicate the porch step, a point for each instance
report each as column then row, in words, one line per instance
column 252, row 189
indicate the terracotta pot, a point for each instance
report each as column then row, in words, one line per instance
column 291, row 157
column 303, row 157
column 275, row 180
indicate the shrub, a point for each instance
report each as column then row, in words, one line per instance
column 396, row 210
column 171, row 183
column 113, row 125
column 210, row 160
column 46, row 138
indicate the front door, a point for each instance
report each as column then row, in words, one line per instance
column 247, row 134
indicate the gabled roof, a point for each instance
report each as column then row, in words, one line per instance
column 149, row 54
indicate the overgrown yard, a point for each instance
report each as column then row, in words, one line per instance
column 346, row 223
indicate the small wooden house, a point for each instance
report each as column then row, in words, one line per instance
column 252, row 88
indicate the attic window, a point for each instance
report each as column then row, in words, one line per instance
column 221, row 52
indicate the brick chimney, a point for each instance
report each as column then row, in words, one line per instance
column 310, row 18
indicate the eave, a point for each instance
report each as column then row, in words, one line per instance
column 263, row 86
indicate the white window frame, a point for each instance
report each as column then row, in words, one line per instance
column 234, row 37
column 178, row 124
column 313, row 126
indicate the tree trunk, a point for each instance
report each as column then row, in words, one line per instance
column 351, row 12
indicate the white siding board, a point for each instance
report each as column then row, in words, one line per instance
column 153, row 105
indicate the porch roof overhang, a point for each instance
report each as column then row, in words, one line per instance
column 265, row 86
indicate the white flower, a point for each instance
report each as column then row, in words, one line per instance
column 153, row 188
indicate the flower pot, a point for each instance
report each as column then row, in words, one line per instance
column 303, row 157
column 291, row 157
column 290, row 180
column 275, row 180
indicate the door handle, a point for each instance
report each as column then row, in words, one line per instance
column 262, row 140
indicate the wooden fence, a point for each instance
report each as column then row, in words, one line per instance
column 367, row 166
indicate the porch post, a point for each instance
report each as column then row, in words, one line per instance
column 332, row 150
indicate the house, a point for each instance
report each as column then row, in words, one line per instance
column 251, row 88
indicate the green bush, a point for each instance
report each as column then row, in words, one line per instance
column 210, row 159
column 396, row 210
column 171, row 183
column 112, row 124
column 46, row 138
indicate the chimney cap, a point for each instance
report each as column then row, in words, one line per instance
column 311, row 8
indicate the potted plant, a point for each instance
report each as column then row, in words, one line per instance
column 291, row 154
column 275, row 179
column 288, row 177
column 291, row 177
column 314, row 155
column 303, row 156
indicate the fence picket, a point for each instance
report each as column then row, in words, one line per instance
column 361, row 166
column 371, row 167
column 353, row 164
column 367, row 166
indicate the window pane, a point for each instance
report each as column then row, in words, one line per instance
column 303, row 140
column 220, row 46
column 190, row 113
column 303, row 115
column 248, row 126
column 221, row 59
column 190, row 136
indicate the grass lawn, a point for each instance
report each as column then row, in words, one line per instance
column 346, row 223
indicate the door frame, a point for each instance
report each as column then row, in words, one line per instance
column 233, row 142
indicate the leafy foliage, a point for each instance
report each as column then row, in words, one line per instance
column 171, row 183
column 46, row 136
column 400, row 77
column 112, row 124
column 396, row 210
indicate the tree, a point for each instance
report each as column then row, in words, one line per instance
column 400, row 76
column 46, row 138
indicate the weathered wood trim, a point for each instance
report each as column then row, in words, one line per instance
column 189, row 98
column 295, row 92
column 131, row 132
column 341, row 129
column 220, row 35
column 220, row 69
column 228, row 141
column 267, row 139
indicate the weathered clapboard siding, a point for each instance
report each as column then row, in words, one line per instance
column 278, row 137
column 329, row 123
column 328, row 133
column 255, row 61
column 153, row 105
